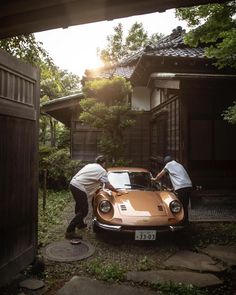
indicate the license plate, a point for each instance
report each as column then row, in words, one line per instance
column 145, row 235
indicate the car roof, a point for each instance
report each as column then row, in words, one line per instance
column 128, row 169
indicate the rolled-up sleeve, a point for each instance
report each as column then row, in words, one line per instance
column 104, row 178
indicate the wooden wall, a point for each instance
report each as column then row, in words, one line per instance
column 19, row 100
column 137, row 139
column 210, row 141
column 84, row 141
column 165, row 133
column 190, row 127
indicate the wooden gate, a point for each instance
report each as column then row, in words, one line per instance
column 19, row 105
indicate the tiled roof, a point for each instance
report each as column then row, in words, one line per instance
column 125, row 72
column 173, row 45
column 169, row 46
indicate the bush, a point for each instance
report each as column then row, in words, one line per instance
column 60, row 168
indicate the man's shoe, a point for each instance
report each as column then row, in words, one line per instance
column 73, row 235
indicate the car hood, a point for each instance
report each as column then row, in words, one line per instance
column 141, row 203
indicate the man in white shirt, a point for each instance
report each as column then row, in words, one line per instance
column 83, row 185
column 180, row 180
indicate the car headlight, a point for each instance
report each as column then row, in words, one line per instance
column 105, row 206
column 175, row 206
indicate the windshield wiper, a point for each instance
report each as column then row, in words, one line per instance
column 134, row 185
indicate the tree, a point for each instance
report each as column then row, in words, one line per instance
column 137, row 38
column 215, row 26
column 119, row 47
column 54, row 82
column 106, row 107
column 26, row 48
column 230, row 114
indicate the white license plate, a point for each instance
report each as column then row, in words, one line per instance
column 145, row 235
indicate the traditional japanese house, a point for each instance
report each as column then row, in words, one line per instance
column 182, row 96
column 19, row 101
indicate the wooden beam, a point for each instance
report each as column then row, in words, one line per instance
column 26, row 16
column 170, row 84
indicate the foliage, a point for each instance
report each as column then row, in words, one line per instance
column 107, row 108
column 215, row 26
column 54, row 82
column 26, row 48
column 145, row 264
column 171, row 288
column 106, row 271
column 63, row 137
column 230, row 114
column 57, row 83
column 218, row 234
column 119, row 47
column 47, row 219
column 60, row 168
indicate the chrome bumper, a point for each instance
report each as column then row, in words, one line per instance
column 176, row 227
column 118, row 228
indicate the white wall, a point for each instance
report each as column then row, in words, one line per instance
column 155, row 98
column 141, row 99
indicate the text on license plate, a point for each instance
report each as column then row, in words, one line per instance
column 146, row 235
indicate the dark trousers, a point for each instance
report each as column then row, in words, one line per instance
column 184, row 196
column 81, row 208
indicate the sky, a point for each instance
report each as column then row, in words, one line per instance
column 75, row 48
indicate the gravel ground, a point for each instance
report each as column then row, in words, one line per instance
column 128, row 254
column 131, row 255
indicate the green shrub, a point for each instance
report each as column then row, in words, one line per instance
column 58, row 165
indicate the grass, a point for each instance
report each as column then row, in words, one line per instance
column 112, row 261
column 177, row 289
column 110, row 272
column 51, row 216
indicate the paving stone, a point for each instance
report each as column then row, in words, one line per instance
column 185, row 277
column 194, row 261
column 32, row 284
column 212, row 213
column 86, row 286
column 226, row 254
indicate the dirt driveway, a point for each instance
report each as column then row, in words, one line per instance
column 122, row 253
column 118, row 254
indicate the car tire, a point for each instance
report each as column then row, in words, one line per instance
column 96, row 228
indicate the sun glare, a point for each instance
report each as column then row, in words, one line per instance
column 93, row 62
column 86, row 61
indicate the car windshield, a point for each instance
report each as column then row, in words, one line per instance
column 130, row 180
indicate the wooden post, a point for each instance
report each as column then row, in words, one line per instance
column 44, row 188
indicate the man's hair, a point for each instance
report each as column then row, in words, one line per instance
column 167, row 159
column 100, row 159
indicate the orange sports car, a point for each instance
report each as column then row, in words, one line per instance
column 139, row 207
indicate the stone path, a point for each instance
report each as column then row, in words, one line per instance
column 199, row 269
column 184, row 267
column 212, row 213
column 213, row 208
